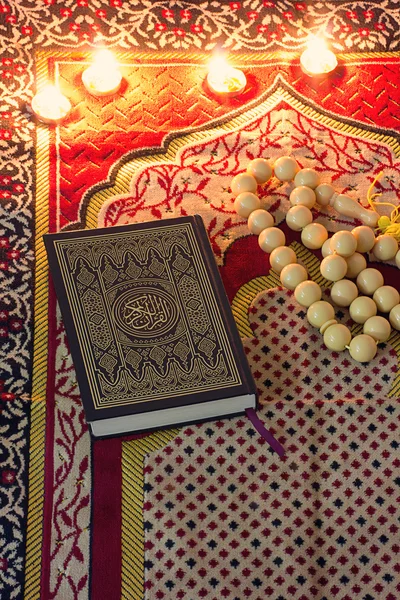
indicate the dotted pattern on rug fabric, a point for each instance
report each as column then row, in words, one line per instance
column 291, row 362
column 224, row 517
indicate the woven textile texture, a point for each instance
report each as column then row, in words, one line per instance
column 207, row 511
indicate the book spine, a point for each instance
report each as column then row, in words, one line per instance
column 73, row 342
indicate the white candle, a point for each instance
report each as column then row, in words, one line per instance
column 224, row 79
column 103, row 77
column 317, row 59
column 50, row 105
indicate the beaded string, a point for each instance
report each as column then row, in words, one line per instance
column 343, row 258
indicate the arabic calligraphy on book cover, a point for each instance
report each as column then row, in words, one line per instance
column 146, row 316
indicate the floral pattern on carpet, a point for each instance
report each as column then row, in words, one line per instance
column 202, row 173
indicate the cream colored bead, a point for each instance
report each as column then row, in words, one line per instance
column 344, row 243
column 385, row 248
column 258, row 220
column 282, row 256
column 397, row 259
column 386, row 297
column 314, row 235
column 302, row 196
column 355, row 264
column 333, row 267
column 307, row 177
column 324, row 193
column 245, row 203
column 362, row 348
column 260, row 169
column 243, row 182
column 326, row 249
column 378, row 328
column 344, row 292
column 293, row 275
column 365, row 238
column 307, row 292
column 285, row 168
column 362, row 309
column 270, row 238
column 325, row 326
column 369, row 280
column 394, row 317
column 319, row 313
column 298, row 217
column 337, row 337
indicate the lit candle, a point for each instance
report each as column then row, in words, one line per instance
column 50, row 105
column 317, row 59
column 103, row 77
column 224, row 79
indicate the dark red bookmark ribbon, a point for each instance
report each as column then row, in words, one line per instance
column 263, row 431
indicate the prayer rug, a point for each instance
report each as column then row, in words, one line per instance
column 206, row 511
column 210, row 511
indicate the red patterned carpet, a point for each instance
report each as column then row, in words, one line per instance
column 208, row 511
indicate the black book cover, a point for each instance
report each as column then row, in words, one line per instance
column 147, row 318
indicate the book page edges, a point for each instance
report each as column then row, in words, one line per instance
column 173, row 416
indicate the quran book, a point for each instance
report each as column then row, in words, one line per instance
column 149, row 325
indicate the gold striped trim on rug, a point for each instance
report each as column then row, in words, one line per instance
column 198, row 57
column 394, row 341
column 34, row 534
column 239, row 57
column 132, row 542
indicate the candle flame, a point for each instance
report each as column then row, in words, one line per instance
column 219, row 66
column 50, row 105
column 105, row 59
column 317, row 45
column 51, row 93
column 224, row 78
column 103, row 77
column 317, row 58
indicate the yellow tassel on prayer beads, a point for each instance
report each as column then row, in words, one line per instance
column 387, row 225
